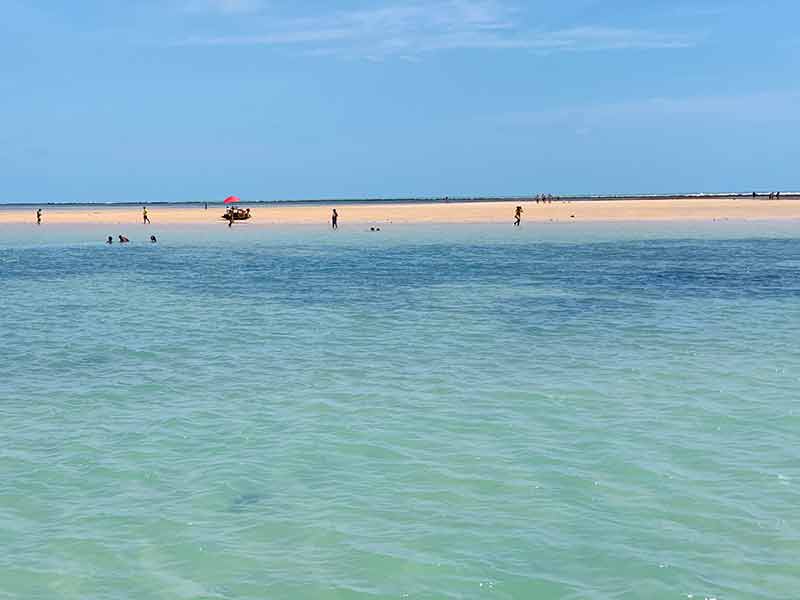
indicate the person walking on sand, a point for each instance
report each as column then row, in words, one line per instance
column 145, row 218
column 38, row 216
column 517, row 216
column 334, row 219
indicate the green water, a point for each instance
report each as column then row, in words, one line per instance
column 453, row 412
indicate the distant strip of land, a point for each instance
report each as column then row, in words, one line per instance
column 662, row 208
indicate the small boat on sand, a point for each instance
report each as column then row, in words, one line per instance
column 237, row 213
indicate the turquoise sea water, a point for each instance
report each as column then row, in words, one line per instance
column 585, row 411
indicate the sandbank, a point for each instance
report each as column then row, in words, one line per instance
column 676, row 209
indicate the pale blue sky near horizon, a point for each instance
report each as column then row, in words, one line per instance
column 182, row 100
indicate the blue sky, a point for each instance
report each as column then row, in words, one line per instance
column 115, row 100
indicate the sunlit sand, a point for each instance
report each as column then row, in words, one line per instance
column 453, row 212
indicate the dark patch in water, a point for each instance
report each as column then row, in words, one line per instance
column 245, row 502
column 402, row 276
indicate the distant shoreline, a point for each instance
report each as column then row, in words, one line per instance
column 793, row 195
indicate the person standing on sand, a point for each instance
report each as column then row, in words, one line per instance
column 517, row 216
column 206, row 205
column 334, row 219
column 145, row 218
column 38, row 216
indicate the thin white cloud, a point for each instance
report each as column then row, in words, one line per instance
column 227, row 7
column 694, row 10
column 772, row 106
column 412, row 28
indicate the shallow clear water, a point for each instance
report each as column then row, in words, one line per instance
column 428, row 412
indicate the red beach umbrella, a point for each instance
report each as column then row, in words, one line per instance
column 230, row 200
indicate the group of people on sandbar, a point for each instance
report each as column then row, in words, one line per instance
column 238, row 214
column 335, row 221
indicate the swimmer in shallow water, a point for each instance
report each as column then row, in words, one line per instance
column 153, row 239
column 123, row 239
column 110, row 240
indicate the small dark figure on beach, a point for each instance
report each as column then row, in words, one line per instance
column 38, row 216
column 754, row 194
column 334, row 219
column 777, row 195
column 230, row 219
column 771, row 195
column 123, row 239
column 110, row 240
column 206, row 205
column 153, row 239
column 517, row 216
column 145, row 218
